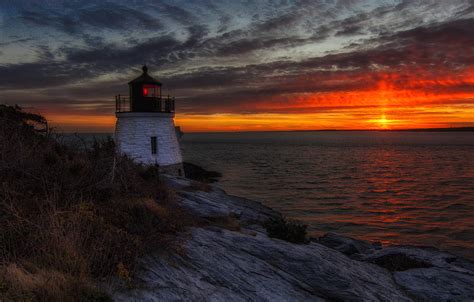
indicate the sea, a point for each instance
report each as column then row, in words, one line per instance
column 392, row 187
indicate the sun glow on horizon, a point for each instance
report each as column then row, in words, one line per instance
column 383, row 122
column 389, row 105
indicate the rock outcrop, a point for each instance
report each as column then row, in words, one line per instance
column 244, row 264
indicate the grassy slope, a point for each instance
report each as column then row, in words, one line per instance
column 71, row 218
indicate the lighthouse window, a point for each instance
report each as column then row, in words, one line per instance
column 153, row 145
column 151, row 91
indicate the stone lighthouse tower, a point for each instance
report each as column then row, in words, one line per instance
column 145, row 129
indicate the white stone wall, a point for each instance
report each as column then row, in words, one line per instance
column 133, row 132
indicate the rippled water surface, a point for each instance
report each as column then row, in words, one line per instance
column 393, row 187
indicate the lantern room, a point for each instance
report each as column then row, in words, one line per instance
column 144, row 96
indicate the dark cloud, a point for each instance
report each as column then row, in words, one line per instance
column 286, row 20
column 351, row 25
column 101, row 16
column 117, row 17
column 176, row 13
column 51, row 19
column 457, row 32
column 349, row 31
column 87, row 64
column 243, row 46
column 43, row 74
column 112, row 57
column 15, row 41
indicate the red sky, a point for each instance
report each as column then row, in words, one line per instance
column 256, row 67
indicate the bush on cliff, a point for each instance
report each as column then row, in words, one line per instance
column 291, row 231
column 70, row 218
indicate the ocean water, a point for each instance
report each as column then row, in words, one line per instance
column 392, row 187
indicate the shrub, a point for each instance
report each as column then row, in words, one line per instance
column 288, row 230
column 74, row 215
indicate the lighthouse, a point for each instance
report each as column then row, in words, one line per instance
column 145, row 130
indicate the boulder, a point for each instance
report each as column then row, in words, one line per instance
column 344, row 244
column 427, row 273
column 436, row 284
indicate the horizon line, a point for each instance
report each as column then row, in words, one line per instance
column 451, row 129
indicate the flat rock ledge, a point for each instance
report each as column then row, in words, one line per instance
column 244, row 264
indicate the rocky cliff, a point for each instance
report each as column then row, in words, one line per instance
column 237, row 261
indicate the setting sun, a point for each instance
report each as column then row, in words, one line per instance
column 382, row 122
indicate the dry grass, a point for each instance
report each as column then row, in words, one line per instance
column 47, row 285
column 70, row 218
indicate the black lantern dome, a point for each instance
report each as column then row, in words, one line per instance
column 145, row 96
column 144, row 78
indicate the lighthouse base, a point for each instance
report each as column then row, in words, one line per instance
column 149, row 138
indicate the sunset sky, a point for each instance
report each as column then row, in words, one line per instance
column 244, row 65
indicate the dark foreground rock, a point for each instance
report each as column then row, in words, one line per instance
column 198, row 173
column 244, row 264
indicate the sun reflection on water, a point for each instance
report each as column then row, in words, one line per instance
column 392, row 187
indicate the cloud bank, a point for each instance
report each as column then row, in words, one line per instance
column 332, row 64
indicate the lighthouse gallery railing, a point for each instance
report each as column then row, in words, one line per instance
column 163, row 104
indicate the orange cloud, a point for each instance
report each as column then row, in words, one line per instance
column 410, row 98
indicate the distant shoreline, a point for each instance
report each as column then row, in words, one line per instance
column 458, row 129
column 454, row 129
